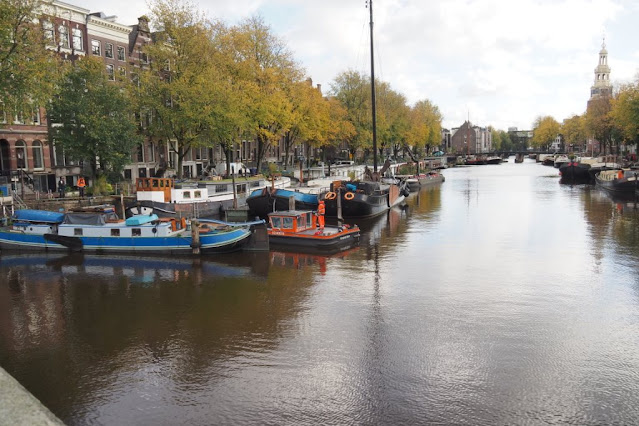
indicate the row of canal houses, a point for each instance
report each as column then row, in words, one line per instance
column 26, row 155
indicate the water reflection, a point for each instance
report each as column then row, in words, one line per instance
column 499, row 297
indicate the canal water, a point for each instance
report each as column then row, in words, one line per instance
column 498, row 297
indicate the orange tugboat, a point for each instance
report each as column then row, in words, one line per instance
column 297, row 229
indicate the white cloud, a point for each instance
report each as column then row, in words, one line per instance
column 505, row 61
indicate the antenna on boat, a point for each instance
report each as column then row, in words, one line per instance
column 370, row 7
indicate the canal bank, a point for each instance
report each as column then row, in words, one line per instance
column 19, row 407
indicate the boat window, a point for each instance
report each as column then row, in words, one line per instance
column 156, row 184
column 115, row 232
column 136, row 232
column 197, row 194
column 309, row 220
column 255, row 183
column 276, row 222
column 287, row 222
column 77, row 231
column 220, row 188
column 240, row 189
column 186, row 194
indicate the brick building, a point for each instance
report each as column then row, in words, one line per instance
column 469, row 139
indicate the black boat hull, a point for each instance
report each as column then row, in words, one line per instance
column 338, row 243
column 575, row 174
column 266, row 202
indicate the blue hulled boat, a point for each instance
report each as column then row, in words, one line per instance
column 102, row 231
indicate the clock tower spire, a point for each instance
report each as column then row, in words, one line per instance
column 602, row 85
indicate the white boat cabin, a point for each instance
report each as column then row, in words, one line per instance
column 164, row 190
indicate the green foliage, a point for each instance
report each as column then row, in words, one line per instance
column 101, row 186
column 407, row 169
column 352, row 90
column 599, row 121
column 573, row 130
column 625, row 112
column 92, row 118
column 178, row 89
column 28, row 70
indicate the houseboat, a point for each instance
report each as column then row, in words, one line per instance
column 103, row 231
column 168, row 198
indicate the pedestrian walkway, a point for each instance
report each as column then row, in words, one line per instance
column 18, row 407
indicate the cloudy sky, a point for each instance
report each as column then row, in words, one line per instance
column 500, row 62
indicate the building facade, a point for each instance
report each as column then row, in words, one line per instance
column 468, row 139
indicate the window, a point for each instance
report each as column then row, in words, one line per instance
column 3, row 113
column 64, row 36
column 21, row 155
column 36, row 150
column 287, row 222
column 115, row 232
column 108, row 50
column 220, row 188
column 122, row 72
column 49, row 32
column 110, row 73
column 144, row 58
column 36, row 116
column 186, row 195
column 140, row 153
column 95, row 47
column 151, row 152
column 77, row 231
column 197, row 194
column 78, row 44
column 121, row 53
column 136, row 232
column 276, row 222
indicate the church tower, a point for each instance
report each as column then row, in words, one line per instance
column 602, row 86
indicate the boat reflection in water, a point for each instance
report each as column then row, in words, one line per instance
column 135, row 269
column 306, row 260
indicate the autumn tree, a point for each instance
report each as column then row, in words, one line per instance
column 352, row 90
column 28, row 70
column 178, row 85
column 625, row 113
column 228, row 120
column 599, row 122
column 573, row 130
column 270, row 71
column 340, row 128
column 309, row 120
column 425, row 126
column 393, row 119
column 545, row 130
column 92, row 118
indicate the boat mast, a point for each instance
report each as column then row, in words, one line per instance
column 370, row 6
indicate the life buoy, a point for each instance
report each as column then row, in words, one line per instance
column 349, row 196
column 330, row 195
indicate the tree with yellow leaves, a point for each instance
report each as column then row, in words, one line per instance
column 545, row 130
